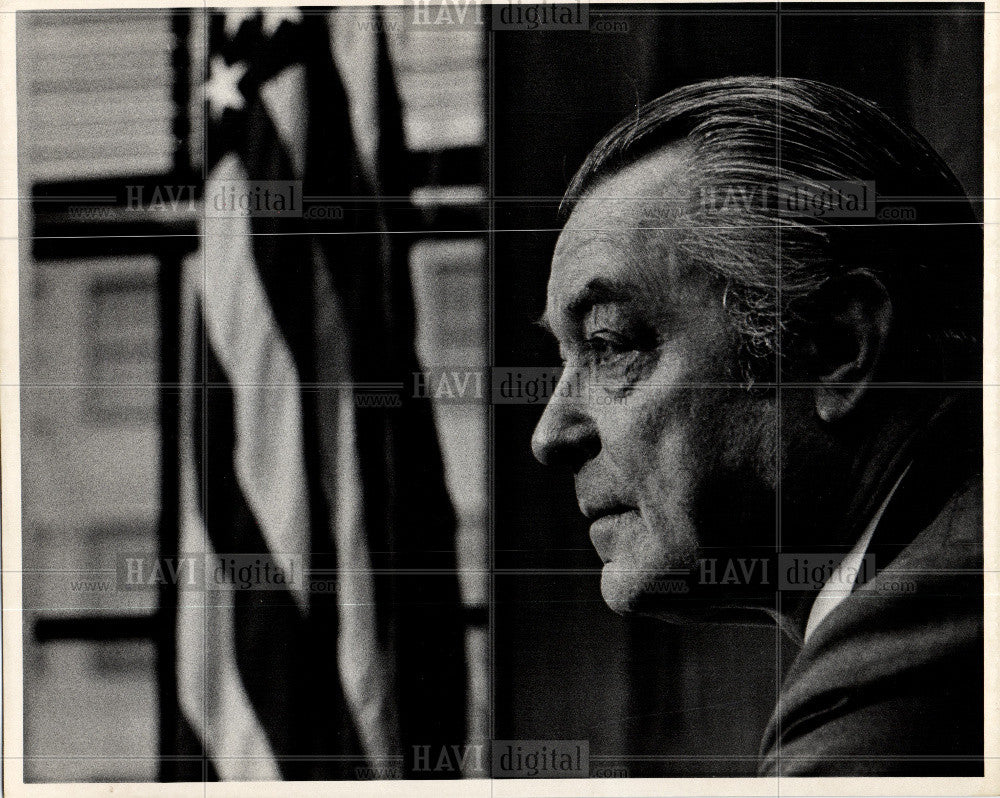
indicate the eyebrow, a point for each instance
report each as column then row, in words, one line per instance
column 598, row 291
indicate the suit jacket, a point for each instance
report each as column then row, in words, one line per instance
column 891, row 681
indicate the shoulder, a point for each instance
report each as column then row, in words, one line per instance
column 891, row 681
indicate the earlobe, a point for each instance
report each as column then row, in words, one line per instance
column 854, row 316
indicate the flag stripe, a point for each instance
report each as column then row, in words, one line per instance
column 207, row 676
column 288, row 273
column 288, row 465
column 272, row 641
column 232, row 529
column 308, row 715
column 365, row 667
column 223, row 714
column 287, row 115
column 355, row 52
column 419, row 617
column 268, row 411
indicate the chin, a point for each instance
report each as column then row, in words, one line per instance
column 628, row 594
column 616, row 594
column 623, row 591
column 654, row 582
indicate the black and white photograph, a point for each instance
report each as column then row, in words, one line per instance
column 520, row 398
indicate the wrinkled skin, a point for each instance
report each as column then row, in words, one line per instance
column 674, row 459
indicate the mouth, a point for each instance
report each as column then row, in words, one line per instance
column 605, row 524
column 597, row 512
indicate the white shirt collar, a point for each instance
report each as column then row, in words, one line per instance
column 835, row 590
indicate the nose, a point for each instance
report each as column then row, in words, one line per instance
column 566, row 435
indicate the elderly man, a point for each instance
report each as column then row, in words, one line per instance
column 767, row 297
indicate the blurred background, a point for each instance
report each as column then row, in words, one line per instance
column 495, row 122
column 108, row 100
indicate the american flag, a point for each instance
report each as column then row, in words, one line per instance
column 287, row 321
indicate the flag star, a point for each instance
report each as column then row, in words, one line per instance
column 222, row 89
column 235, row 18
column 274, row 17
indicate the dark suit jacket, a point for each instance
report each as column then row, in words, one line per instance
column 891, row 682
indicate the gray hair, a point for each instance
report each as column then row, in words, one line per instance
column 765, row 138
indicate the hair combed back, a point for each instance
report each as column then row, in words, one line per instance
column 756, row 141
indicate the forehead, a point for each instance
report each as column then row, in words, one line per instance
column 652, row 188
column 619, row 232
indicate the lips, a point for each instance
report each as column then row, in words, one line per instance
column 596, row 511
column 606, row 522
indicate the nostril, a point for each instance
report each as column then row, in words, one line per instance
column 540, row 445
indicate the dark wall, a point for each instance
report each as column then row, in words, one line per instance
column 566, row 667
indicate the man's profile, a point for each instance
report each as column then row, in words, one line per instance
column 781, row 288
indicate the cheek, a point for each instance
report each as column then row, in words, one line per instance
column 671, row 447
column 669, row 432
column 638, row 436
column 667, row 496
column 651, row 441
column 634, row 418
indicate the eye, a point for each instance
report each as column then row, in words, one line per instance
column 605, row 344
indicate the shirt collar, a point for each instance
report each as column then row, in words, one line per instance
column 839, row 585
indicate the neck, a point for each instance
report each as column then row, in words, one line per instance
column 885, row 450
column 889, row 439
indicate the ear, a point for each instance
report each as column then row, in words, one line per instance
column 851, row 319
